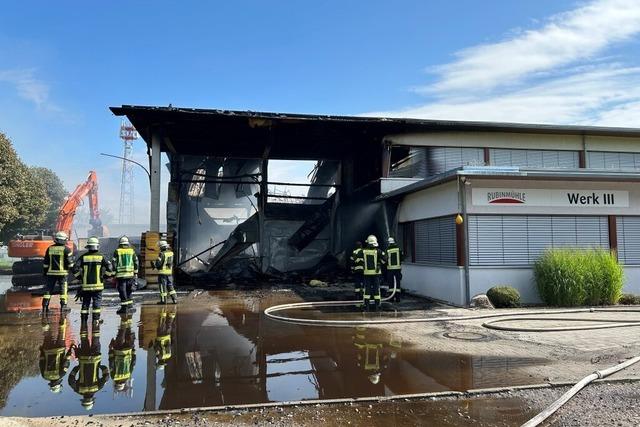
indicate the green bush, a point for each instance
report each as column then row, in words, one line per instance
column 569, row 277
column 629, row 299
column 504, row 296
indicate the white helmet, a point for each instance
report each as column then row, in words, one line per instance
column 61, row 237
column 374, row 378
column 163, row 244
column 93, row 243
column 372, row 240
column 124, row 241
column 392, row 241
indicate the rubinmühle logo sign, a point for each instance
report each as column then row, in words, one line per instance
column 507, row 197
column 540, row 197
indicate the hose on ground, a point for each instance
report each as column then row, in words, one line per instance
column 551, row 409
column 270, row 312
column 491, row 324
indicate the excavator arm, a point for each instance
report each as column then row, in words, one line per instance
column 67, row 212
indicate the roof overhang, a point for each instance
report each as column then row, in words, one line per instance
column 249, row 134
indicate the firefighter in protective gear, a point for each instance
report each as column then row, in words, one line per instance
column 162, row 343
column 91, row 269
column 125, row 266
column 373, row 259
column 55, row 358
column 89, row 376
column 164, row 265
column 122, row 355
column 357, row 265
column 58, row 260
column 393, row 255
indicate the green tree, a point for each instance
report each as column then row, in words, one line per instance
column 55, row 192
column 23, row 200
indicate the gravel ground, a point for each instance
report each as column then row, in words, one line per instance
column 600, row 404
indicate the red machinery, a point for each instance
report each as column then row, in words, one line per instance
column 32, row 247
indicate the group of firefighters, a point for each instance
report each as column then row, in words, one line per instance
column 376, row 271
column 93, row 268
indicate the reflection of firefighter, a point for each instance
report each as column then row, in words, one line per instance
column 90, row 375
column 54, row 355
column 373, row 354
column 162, row 342
column 122, row 355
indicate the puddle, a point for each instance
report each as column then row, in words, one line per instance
column 216, row 349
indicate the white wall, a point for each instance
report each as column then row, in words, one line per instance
column 483, row 278
column 429, row 203
column 438, row 282
column 632, row 279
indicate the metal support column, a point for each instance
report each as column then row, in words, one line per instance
column 154, row 223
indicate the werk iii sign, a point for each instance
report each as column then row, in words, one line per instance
column 539, row 197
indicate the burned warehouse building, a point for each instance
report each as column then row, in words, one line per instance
column 518, row 189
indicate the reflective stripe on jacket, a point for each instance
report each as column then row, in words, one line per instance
column 57, row 260
column 164, row 263
column 125, row 262
column 91, row 269
column 357, row 262
column 393, row 258
column 372, row 261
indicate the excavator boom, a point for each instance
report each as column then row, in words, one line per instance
column 70, row 205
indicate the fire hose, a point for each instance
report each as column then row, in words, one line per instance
column 490, row 324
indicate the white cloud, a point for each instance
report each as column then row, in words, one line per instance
column 576, row 98
column 561, row 73
column 29, row 87
column 567, row 37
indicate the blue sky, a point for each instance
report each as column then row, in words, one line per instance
column 547, row 61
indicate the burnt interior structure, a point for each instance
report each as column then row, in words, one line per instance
column 229, row 217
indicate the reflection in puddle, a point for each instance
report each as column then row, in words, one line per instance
column 218, row 349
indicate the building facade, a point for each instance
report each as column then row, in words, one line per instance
column 518, row 194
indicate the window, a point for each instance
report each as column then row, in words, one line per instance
column 628, row 230
column 434, row 240
column 521, row 239
column 612, row 160
column 534, row 158
column 423, row 162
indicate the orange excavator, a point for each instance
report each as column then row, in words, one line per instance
column 32, row 247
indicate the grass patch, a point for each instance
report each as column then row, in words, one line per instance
column 571, row 277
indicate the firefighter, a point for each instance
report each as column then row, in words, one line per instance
column 89, row 376
column 164, row 265
column 357, row 265
column 122, row 355
column 162, row 342
column 58, row 260
column 125, row 265
column 373, row 259
column 91, row 269
column 393, row 256
column 55, row 358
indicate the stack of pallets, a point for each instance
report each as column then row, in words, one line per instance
column 149, row 251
